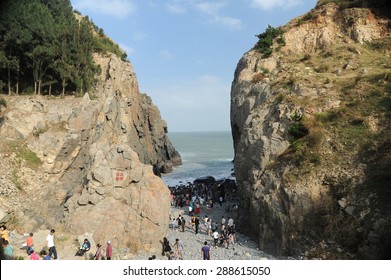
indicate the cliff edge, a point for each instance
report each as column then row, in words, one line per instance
column 85, row 164
column 310, row 121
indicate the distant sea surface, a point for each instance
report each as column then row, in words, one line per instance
column 203, row 154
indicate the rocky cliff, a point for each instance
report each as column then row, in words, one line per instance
column 311, row 130
column 86, row 164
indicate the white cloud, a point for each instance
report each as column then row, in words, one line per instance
column 176, row 9
column 116, row 8
column 271, row 4
column 212, row 10
column 232, row 23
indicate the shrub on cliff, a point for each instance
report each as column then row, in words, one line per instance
column 266, row 39
column 297, row 129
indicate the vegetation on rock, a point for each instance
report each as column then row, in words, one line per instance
column 380, row 6
column 45, row 48
column 266, row 40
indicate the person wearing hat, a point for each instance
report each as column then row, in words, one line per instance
column 109, row 250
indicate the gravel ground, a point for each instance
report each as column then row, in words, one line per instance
column 244, row 249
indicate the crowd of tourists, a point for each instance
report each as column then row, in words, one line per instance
column 197, row 202
column 49, row 252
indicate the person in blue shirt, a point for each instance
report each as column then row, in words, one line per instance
column 205, row 251
column 8, row 249
column 85, row 247
column 44, row 255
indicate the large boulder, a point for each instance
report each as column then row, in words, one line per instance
column 93, row 162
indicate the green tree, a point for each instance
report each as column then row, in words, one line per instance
column 43, row 44
column 64, row 65
column 14, row 37
column 85, row 69
column 41, row 50
column 265, row 42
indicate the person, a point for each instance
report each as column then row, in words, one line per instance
column 214, row 226
column 230, row 222
column 198, row 208
column 8, row 249
column 98, row 254
column 85, row 247
column 2, row 255
column 197, row 224
column 223, row 220
column 215, row 235
column 179, row 249
column 179, row 221
column 209, row 226
column 206, row 220
column 183, row 224
column 224, row 239
column 165, row 246
column 29, row 242
column 32, row 255
column 232, row 234
column 4, row 232
column 44, row 255
column 205, row 251
column 50, row 244
column 190, row 209
column 171, row 256
column 109, row 250
column 192, row 221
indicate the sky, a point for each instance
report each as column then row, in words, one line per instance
column 185, row 52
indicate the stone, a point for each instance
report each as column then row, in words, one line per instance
column 4, row 217
column 342, row 203
column 351, row 65
column 94, row 198
column 350, row 210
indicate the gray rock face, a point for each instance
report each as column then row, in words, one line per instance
column 281, row 207
column 97, row 154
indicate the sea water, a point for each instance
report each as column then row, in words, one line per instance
column 203, row 154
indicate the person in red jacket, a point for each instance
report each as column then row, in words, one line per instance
column 109, row 250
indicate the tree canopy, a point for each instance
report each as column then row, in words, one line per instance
column 45, row 48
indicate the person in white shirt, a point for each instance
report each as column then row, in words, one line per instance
column 50, row 244
column 215, row 235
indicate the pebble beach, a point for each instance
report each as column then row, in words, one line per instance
column 244, row 249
